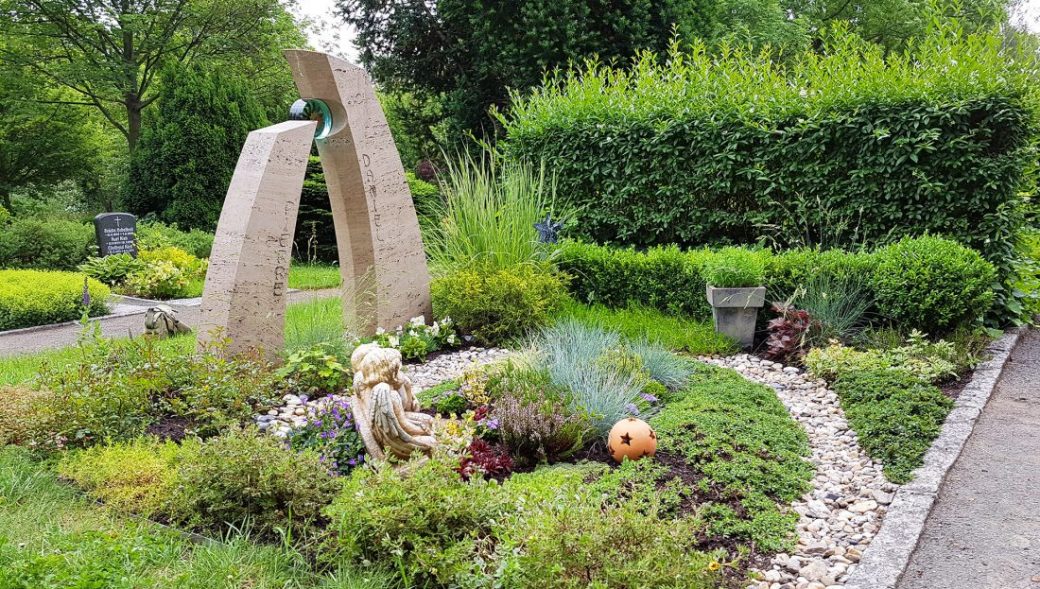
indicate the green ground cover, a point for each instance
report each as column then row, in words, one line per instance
column 51, row 537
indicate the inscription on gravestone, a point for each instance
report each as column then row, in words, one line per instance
column 116, row 233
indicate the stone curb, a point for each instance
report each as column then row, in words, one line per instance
column 888, row 555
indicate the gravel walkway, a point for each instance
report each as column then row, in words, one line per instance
column 984, row 529
column 849, row 496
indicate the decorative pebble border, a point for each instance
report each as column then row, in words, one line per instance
column 296, row 409
column 842, row 513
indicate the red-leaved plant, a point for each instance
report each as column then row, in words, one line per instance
column 484, row 459
column 787, row 334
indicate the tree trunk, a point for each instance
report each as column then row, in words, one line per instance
column 133, row 126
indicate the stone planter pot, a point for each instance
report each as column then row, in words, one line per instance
column 735, row 310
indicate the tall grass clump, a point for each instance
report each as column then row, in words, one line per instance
column 663, row 366
column 488, row 212
column 573, row 353
column 838, row 306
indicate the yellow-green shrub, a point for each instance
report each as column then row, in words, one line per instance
column 138, row 476
column 39, row 297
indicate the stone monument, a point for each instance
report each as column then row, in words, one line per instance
column 382, row 261
column 116, row 233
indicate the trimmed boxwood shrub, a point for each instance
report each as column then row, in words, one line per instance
column 835, row 148
column 39, row 297
column 927, row 283
column 497, row 305
column 932, row 284
column 47, row 244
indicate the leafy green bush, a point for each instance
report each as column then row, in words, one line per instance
column 243, row 477
column 23, row 417
column 5, row 216
column 111, row 269
column 734, row 267
column 932, row 284
column 47, row 244
column 738, row 435
column 672, row 280
column 116, row 391
column 895, row 415
column 168, row 272
column 425, row 196
column 138, row 476
column 559, row 528
column 316, row 372
column 40, row 297
column 155, row 234
column 860, row 146
column 495, row 305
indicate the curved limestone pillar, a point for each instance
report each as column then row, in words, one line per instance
column 244, row 296
column 385, row 278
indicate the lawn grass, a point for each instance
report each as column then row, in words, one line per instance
column 51, row 537
column 306, row 324
column 306, row 276
column 679, row 333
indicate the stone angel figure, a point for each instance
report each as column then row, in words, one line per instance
column 385, row 410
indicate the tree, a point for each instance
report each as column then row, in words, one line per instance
column 469, row 53
column 892, row 23
column 190, row 145
column 42, row 141
column 108, row 52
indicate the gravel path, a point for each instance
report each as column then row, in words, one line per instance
column 984, row 529
column 129, row 324
column 849, row 496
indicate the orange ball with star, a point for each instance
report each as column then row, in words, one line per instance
column 631, row 438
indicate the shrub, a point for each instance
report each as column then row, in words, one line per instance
column 488, row 214
column 138, row 476
column 895, row 415
column 427, row 524
column 316, row 372
column 932, row 284
column 5, row 216
column 734, row 267
column 739, row 437
column 788, row 334
column 416, row 340
column 40, row 297
column 662, row 278
column 483, row 459
column 496, row 305
column 116, row 391
column 23, row 415
column 924, row 360
column 111, row 269
column 153, row 235
column 722, row 149
column 243, row 477
column 159, row 280
column 47, row 244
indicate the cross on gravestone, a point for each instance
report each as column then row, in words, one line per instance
column 116, row 233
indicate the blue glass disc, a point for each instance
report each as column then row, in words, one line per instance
column 313, row 110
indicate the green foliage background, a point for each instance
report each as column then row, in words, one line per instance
column 838, row 149
column 188, row 151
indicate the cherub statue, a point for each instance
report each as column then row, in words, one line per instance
column 385, row 410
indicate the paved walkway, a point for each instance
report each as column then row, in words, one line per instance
column 984, row 531
column 130, row 323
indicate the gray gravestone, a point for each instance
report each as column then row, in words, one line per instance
column 116, row 233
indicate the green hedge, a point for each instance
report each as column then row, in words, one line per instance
column 845, row 148
column 47, row 244
column 926, row 283
column 36, row 297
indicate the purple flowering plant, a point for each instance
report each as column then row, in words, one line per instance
column 331, row 432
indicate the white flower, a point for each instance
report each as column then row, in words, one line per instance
column 380, row 331
column 394, row 341
column 435, row 330
column 451, row 338
column 420, row 320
